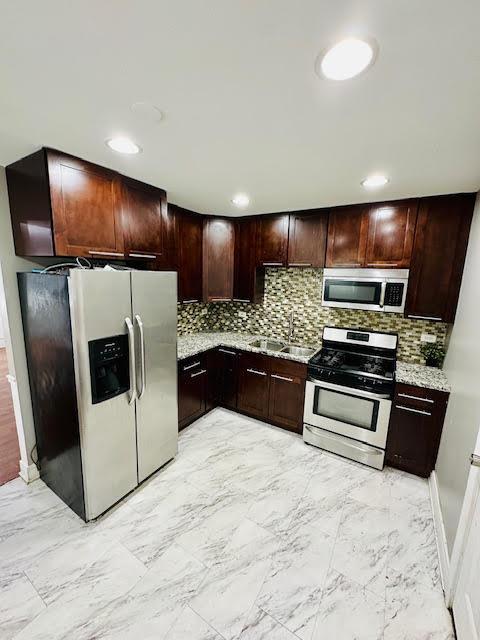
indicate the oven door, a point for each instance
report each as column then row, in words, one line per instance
column 349, row 412
column 350, row 293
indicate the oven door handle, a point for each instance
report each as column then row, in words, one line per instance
column 349, row 390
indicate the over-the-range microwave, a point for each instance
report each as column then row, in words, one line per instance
column 366, row 289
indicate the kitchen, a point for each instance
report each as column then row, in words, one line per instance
column 294, row 460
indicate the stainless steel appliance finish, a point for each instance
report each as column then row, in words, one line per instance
column 126, row 438
column 348, row 394
column 365, row 289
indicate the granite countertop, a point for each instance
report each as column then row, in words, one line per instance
column 422, row 376
column 195, row 343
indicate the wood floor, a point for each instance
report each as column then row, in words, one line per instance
column 9, row 451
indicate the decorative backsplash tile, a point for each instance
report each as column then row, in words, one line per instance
column 300, row 290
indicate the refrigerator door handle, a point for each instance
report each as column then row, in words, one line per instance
column 142, row 355
column 133, row 368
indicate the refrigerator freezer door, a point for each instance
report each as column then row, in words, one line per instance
column 100, row 302
column 154, row 310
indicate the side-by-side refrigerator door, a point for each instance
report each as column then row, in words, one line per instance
column 154, row 310
column 103, row 339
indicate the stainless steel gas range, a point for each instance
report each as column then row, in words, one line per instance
column 348, row 396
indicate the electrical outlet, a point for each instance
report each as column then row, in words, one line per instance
column 428, row 337
column 242, row 314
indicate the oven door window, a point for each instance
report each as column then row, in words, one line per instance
column 352, row 291
column 343, row 407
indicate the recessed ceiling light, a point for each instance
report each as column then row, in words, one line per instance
column 241, row 200
column 346, row 59
column 374, row 181
column 123, row 145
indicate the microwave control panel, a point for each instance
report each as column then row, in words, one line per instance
column 394, row 294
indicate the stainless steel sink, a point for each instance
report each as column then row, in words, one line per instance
column 270, row 345
column 298, row 351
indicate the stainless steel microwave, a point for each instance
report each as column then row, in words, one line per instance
column 367, row 289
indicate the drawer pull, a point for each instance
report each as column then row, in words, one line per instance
column 425, row 317
column 274, row 375
column 272, row 264
column 299, row 264
column 199, row 373
column 191, row 366
column 190, row 301
column 240, row 300
column 424, row 413
column 406, row 395
column 147, row 256
column 220, row 299
column 107, row 253
column 231, row 353
column 258, row 373
column 382, row 264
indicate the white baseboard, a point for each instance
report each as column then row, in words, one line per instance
column 29, row 472
column 440, row 535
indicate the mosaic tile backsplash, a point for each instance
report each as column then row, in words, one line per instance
column 300, row 290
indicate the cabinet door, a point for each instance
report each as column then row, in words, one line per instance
column 438, row 257
column 391, row 229
column 347, row 237
column 272, row 240
column 287, row 394
column 85, row 208
column 218, row 255
column 228, row 380
column 248, row 281
column 147, row 225
column 189, row 233
column 307, row 239
column 415, row 428
column 253, row 383
column 192, row 390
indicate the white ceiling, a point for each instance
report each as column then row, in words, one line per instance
column 244, row 110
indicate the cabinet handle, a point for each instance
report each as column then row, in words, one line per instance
column 424, row 317
column 258, row 373
column 220, row 299
column 272, row 264
column 424, row 413
column 147, row 256
column 191, row 366
column 199, row 373
column 406, row 395
column 347, row 264
column 190, row 301
column 274, row 375
column 382, row 264
column 107, row 253
column 299, row 264
column 240, row 300
column 232, row 353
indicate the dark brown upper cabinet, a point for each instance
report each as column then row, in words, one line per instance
column 248, row 281
column 218, row 256
column 307, row 238
column 347, row 236
column 391, row 229
column 438, row 257
column 189, row 244
column 272, row 240
column 148, row 227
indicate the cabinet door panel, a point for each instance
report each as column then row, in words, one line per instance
column 253, row 384
column 347, row 237
column 273, row 240
column 85, row 202
column 438, row 257
column 189, row 232
column 285, row 408
column 191, row 396
column 307, row 238
column 218, row 255
column 248, row 282
column 391, row 231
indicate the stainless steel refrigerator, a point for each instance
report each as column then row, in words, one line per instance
column 101, row 352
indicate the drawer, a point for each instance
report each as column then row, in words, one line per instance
column 418, row 397
column 190, row 365
column 255, row 361
column 288, row 368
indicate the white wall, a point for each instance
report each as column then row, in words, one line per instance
column 462, row 367
column 2, row 307
column 10, row 264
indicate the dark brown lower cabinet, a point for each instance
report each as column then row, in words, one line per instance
column 253, row 384
column 222, row 378
column 416, row 424
column 192, row 390
column 287, row 394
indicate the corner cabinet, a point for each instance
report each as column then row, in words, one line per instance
column 189, row 245
column 439, row 251
column 248, row 281
column 218, row 257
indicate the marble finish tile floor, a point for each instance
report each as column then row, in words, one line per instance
column 249, row 534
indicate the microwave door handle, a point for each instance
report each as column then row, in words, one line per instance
column 139, row 322
column 382, row 294
column 133, row 368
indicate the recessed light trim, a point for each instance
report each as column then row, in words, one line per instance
column 241, row 200
column 121, row 144
column 375, row 181
column 348, row 58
